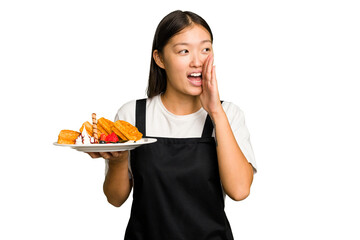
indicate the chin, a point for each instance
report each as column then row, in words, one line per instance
column 195, row 92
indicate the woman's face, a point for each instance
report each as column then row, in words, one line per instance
column 183, row 58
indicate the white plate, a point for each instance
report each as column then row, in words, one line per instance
column 109, row 147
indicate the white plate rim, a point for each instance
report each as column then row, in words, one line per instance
column 108, row 147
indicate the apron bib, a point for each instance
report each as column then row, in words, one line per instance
column 177, row 193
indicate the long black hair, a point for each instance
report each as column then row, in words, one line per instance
column 170, row 25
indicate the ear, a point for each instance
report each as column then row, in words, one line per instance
column 158, row 59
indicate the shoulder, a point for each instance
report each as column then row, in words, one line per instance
column 231, row 107
column 233, row 112
column 127, row 112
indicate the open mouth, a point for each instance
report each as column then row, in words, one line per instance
column 195, row 75
column 195, row 78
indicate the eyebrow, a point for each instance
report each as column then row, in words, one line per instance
column 186, row 44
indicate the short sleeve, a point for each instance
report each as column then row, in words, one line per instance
column 236, row 119
column 127, row 112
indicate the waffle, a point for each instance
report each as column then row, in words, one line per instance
column 125, row 130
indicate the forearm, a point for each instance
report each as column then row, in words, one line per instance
column 117, row 185
column 236, row 173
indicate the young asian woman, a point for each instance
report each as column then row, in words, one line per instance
column 202, row 153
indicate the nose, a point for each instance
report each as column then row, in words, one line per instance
column 196, row 60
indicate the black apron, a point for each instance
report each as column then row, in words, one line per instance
column 177, row 193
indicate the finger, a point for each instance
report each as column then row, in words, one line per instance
column 105, row 155
column 206, row 66
column 94, row 154
column 213, row 75
column 209, row 67
column 115, row 154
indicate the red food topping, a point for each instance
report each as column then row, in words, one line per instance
column 102, row 137
column 112, row 138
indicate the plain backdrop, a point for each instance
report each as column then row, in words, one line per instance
column 291, row 66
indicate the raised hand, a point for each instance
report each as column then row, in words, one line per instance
column 209, row 97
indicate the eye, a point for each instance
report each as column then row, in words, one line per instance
column 184, row 51
column 206, row 49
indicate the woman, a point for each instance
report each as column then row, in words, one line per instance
column 179, row 181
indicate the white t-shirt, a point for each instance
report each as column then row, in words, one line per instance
column 162, row 123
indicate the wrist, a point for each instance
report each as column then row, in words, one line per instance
column 117, row 167
column 119, row 161
column 217, row 114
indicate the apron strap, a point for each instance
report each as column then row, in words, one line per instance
column 140, row 115
column 208, row 127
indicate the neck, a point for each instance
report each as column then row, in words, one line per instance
column 180, row 104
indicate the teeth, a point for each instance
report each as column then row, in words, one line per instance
column 195, row 74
